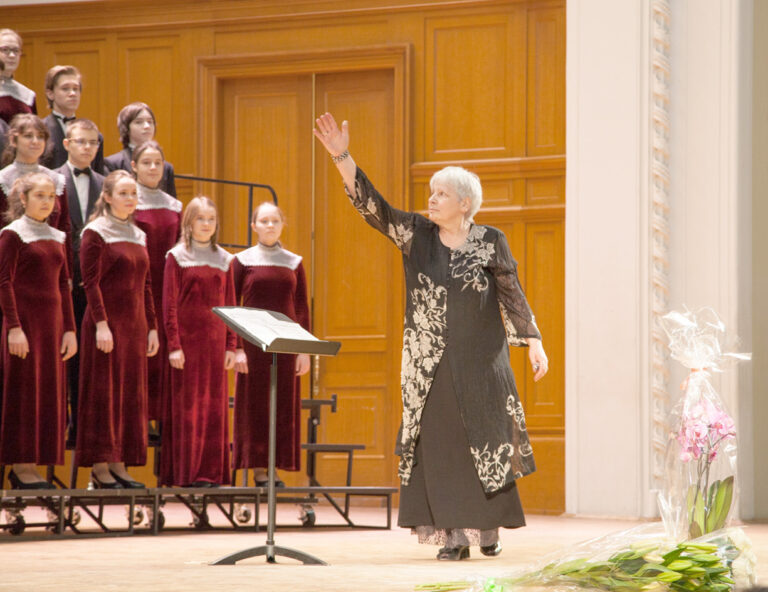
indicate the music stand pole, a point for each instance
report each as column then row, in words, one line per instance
column 270, row 550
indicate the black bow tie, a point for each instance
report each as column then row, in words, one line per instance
column 78, row 172
column 64, row 119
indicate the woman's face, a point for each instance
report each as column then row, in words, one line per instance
column 268, row 224
column 142, row 128
column 30, row 145
column 445, row 207
column 204, row 224
column 10, row 53
column 123, row 200
column 39, row 201
column 149, row 169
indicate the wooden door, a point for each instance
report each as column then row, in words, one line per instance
column 265, row 136
column 357, row 282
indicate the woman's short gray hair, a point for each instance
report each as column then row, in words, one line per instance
column 464, row 183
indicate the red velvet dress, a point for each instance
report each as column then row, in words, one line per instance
column 159, row 216
column 273, row 279
column 196, row 414
column 16, row 98
column 112, row 411
column 34, row 295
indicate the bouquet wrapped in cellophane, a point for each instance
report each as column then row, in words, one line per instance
column 691, row 550
column 699, row 489
column 641, row 559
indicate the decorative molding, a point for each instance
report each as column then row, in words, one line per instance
column 660, row 230
column 513, row 168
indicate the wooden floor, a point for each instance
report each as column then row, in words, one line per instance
column 359, row 560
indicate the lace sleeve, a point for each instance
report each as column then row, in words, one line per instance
column 395, row 224
column 518, row 318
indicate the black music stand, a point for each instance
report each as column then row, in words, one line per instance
column 276, row 333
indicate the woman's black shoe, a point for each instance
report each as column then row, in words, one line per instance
column 17, row 483
column 453, row 553
column 265, row 483
column 205, row 484
column 99, row 484
column 491, row 550
column 126, row 483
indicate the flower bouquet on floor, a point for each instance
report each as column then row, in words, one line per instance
column 691, row 550
column 641, row 559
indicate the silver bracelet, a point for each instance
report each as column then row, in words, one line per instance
column 340, row 157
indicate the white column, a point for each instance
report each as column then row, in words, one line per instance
column 658, row 216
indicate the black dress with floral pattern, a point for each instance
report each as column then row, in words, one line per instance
column 472, row 296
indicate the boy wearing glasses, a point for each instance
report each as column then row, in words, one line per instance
column 14, row 96
column 63, row 90
column 82, row 143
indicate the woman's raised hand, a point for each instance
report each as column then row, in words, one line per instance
column 335, row 139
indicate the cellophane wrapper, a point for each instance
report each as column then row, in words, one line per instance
column 640, row 559
column 699, row 490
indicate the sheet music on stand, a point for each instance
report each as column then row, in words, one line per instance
column 274, row 331
column 277, row 334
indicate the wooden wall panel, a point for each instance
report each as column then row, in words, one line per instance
column 354, row 300
column 546, row 92
column 475, row 99
column 253, row 110
column 147, row 68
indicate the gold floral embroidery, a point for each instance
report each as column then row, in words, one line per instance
column 423, row 346
column 493, row 465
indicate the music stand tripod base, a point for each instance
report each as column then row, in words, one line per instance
column 270, row 551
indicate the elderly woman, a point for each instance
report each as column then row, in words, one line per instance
column 463, row 441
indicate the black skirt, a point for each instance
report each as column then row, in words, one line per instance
column 444, row 491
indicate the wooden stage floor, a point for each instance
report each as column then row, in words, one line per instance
column 360, row 560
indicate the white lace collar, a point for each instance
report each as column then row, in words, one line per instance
column 156, row 199
column 30, row 230
column 113, row 230
column 262, row 255
column 199, row 256
column 18, row 169
column 12, row 88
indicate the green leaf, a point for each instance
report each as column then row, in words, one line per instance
column 723, row 502
column 699, row 517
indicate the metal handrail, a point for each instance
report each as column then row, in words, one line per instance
column 250, row 187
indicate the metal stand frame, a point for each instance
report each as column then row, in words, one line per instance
column 270, row 550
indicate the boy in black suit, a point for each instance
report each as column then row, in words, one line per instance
column 82, row 142
column 63, row 89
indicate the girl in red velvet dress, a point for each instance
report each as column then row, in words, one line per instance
column 14, row 96
column 117, row 335
column 38, row 333
column 269, row 277
column 27, row 137
column 159, row 216
column 198, row 276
